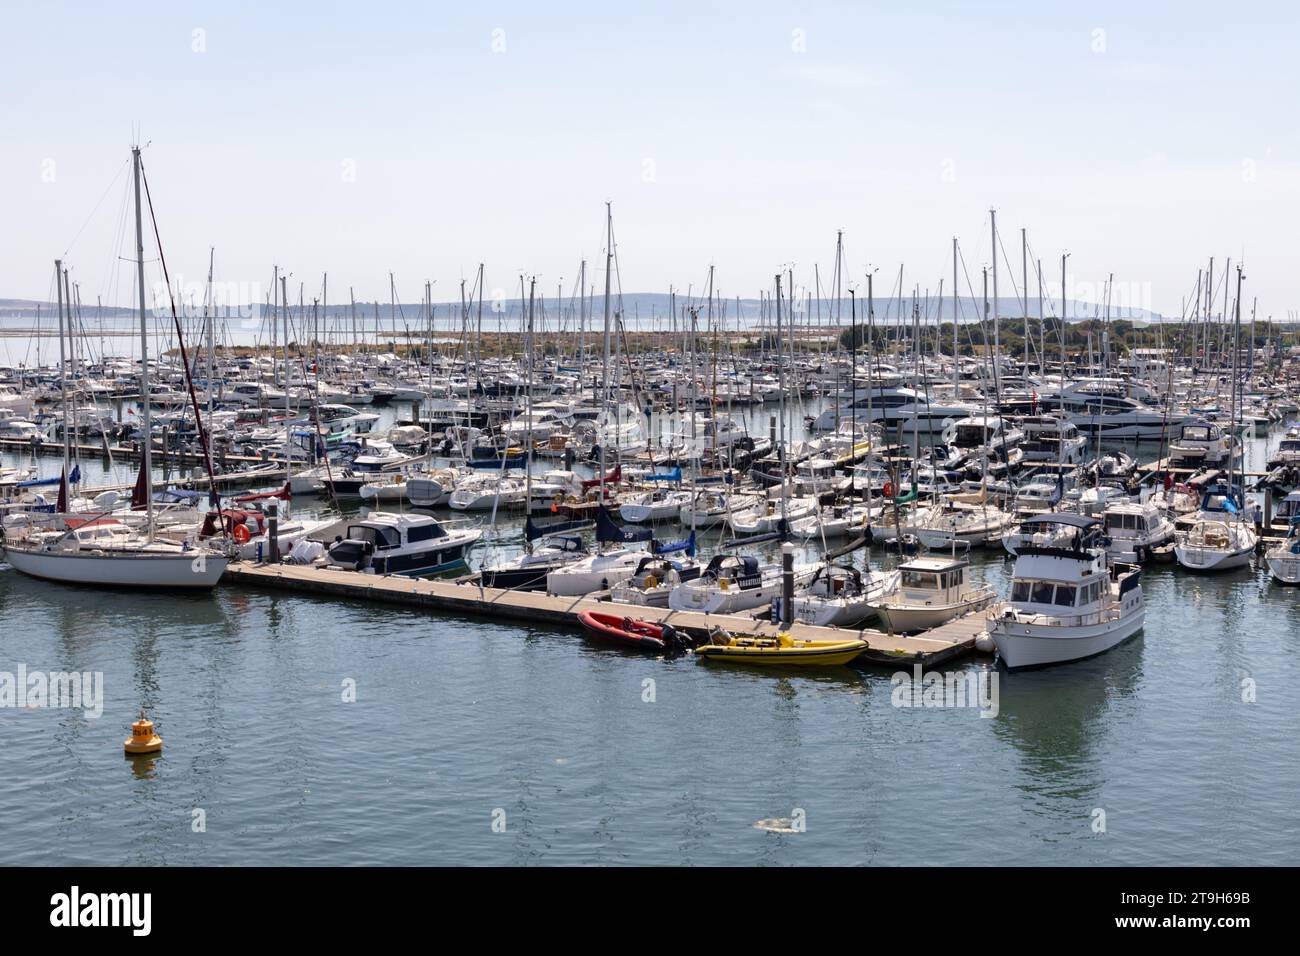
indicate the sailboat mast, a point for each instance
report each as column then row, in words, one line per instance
column 528, row 409
column 146, row 422
column 954, row 320
column 63, row 371
column 997, row 351
column 604, row 375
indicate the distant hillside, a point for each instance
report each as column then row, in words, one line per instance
column 637, row 308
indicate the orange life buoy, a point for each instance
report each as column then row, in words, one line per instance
column 241, row 533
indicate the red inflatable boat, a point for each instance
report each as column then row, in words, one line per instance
column 644, row 635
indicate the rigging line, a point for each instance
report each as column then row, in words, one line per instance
column 1011, row 275
column 94, row 210
column 185, row 362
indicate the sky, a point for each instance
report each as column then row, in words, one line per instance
column 359, row 139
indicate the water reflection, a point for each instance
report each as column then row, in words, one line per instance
column 1055, row 718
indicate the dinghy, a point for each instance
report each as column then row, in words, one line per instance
column 782, row 650
column 641, row 635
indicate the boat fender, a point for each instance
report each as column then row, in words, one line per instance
column 984, row 642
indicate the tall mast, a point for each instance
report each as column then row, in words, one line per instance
column 209, row 319
column 528, row 408
column 954, row 319
column 604, row 375
column 997, row 351
column 1061, row 330
column 63, row 371
column 146, row 421
column 288, row 434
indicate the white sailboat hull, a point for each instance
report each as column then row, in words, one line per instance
column 156, row 571
column 1196, row 558
column 1285, row 567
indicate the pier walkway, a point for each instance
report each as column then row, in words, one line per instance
column 947, row 642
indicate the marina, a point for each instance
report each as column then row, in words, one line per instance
column 690, row 436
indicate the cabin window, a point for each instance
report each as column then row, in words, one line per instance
column 1020, row 591
column 424, row 533
column 1041, row 593
column 918, row 579
column 379, row 537
column 1065, row 595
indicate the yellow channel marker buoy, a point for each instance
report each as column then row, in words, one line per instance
column 143, row 740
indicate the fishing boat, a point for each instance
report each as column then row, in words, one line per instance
column 1067, row 601
column 780, row 651
column 628, row 632
column 930, row 592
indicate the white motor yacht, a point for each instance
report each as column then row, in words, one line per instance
column 1067, row 602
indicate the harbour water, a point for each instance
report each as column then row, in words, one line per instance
column 472, row 741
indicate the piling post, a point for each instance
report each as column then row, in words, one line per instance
column 787, row 584
column 273, row 532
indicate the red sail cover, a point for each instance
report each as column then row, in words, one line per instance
column 614, row 476
column 284, row 494
column 140, row 493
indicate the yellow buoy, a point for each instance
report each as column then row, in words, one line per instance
column 143, row 740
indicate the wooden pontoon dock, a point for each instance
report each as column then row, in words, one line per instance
column 947, row 642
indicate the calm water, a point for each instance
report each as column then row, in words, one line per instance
column 457, row 719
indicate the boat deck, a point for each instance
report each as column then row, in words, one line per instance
column 947, row 642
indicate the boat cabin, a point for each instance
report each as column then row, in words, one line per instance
column 933, row 580
column 1134, row 521
column 733, row 570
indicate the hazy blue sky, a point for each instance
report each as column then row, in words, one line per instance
column 359, row 138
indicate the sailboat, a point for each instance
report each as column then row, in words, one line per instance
column 100, row 549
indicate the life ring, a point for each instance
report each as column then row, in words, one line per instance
column 241, row 534
column 889, row 489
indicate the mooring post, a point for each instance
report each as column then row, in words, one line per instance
column 273, row 532
column 787, row 584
